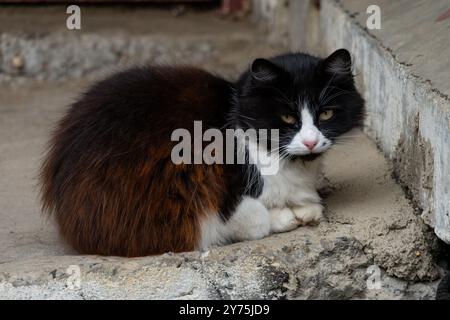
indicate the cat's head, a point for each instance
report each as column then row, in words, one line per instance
column 311, row 101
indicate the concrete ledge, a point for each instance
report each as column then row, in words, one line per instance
column 404, row 72
column 304, row 267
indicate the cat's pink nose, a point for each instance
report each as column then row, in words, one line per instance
column 310, row 144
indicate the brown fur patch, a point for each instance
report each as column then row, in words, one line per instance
column 108, row 178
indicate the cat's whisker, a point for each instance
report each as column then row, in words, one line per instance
column 328, row 99
column 324, row 91
column 344, row 147
column 323, row 95
column 246, row 117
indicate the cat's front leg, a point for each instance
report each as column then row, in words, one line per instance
column 309, row 213
column 306, row 207
column 250, row 221
column 282, row 220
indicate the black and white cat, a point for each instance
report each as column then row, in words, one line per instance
column 109, row 180
column 312, row 102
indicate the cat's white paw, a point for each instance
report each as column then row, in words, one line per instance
column 308, row 214
column 282, row 220
column 250, row 221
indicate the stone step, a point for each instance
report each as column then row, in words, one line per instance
column 404, row 71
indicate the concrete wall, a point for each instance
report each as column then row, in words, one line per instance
column 404, row 72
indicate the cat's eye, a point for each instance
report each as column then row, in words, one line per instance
column 326, row 115
column 288, row 118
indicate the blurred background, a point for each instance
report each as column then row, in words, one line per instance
column 224, row 34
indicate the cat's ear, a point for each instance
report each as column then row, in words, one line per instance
column 263, row 70
column 338, row 63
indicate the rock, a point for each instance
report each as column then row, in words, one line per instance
column 305, row 267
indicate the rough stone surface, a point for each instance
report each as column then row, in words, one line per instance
column 370, row 223
column 403, row 70
column 298, row 265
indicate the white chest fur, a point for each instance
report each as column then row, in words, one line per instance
column 293, row 185
column 289, row 199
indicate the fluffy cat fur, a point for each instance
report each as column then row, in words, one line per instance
column 109, row 181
